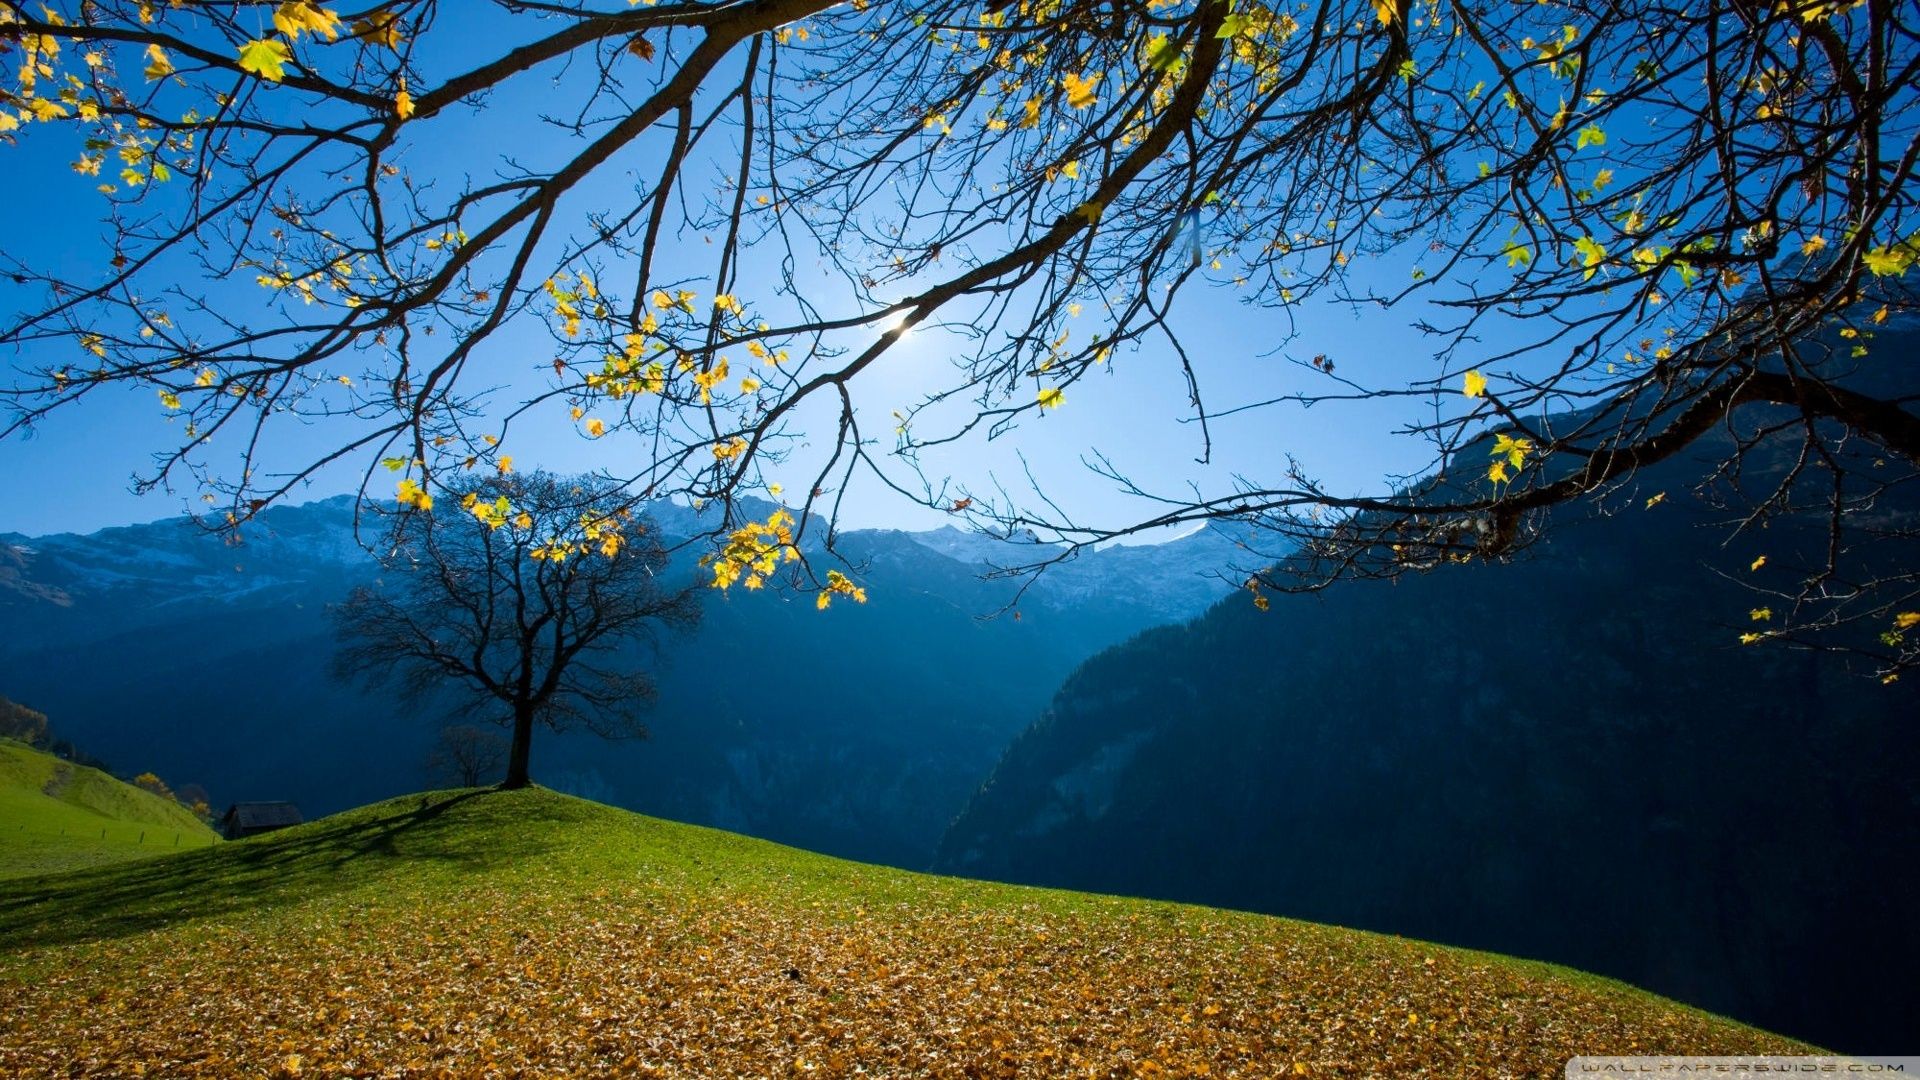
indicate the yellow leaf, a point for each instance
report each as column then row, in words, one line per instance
column 1051, row 397
column 169, row 399
column 1080, row 89
column 1385, row 10
column 266, row 58
column 380, row 28
column 1888, row 261
column 1758, row 563
column 1591, row 254
column 1474, row 384
column 596, row 427
column 296, row 16
column 403, row 102
column 1907, row 620
column 409, row 493
column 159, row 65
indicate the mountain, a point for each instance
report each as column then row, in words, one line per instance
column 1568, row 757
column 858, row 731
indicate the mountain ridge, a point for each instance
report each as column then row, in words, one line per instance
column 858, row 733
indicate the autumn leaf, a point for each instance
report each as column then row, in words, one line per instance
column 266, row 58
column 1758, row 563
column 1514, row 450
column 159, row 64
column 1591, row 135
column 1080, row 89
column 379, row 28
column 1385, row 11
column 1591, row 254
column 409, row 493
column 1162, row 53
column 1474, row 384
column 1888, row 261
column 596, row 427
column 296, row 16
column 403, row 102
column 1051, row 397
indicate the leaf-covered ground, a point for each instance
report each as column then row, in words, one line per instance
column 531, row 934
column 57, row 816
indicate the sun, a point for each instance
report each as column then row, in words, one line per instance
column 896, row 326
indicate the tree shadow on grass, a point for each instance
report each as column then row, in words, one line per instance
column 325, row 857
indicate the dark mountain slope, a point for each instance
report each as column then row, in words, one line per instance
column 1569, row 757
column 858, row 731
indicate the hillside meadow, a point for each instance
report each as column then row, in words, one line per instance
column 57, row 816
column 528, row 933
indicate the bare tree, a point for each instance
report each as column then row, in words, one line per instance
column 518, row 605
column 467, row 755
column 1627, row 229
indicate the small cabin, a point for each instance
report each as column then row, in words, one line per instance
column 250, row 818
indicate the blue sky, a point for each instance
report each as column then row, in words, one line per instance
column 74, row 472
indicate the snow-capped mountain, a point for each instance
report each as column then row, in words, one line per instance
column 860, row 731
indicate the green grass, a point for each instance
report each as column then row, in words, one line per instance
column 462, row 932
column 55, row 816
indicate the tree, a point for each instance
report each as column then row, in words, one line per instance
column 17, row 721
column 467, row 755
column 151, row 783
column 1685, row 223
column 517, row 605
column 197, row 800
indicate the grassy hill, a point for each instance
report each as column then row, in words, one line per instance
column 55, row 815
column 529, row 933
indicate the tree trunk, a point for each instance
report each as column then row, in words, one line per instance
column 522, row 742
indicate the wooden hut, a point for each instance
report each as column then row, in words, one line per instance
column 248, row 818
